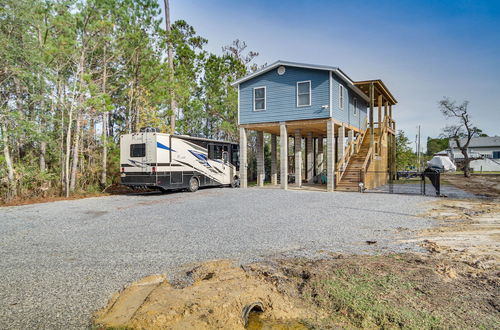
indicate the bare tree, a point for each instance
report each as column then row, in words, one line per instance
column 463, row 131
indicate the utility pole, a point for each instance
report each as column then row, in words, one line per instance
column 418, row 149
column 173, row 103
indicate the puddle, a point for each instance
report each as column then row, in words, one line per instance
column 256, row 322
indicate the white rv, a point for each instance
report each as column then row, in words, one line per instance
column 166, row 162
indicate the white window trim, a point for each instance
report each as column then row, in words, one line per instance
column 355, row 107
column 341, row 96
column 265, row 98
column 297, row 93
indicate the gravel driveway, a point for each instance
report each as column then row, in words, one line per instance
column 61, row 261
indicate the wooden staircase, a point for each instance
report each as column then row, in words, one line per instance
column 352, row 168
column 353, row 173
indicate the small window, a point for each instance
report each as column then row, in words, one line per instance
column 138, row 150
column 496, row 154
column 215, row 151
column 259, row 98
column 304, row 93
column 341, row 96
column 235, row 154
column 355, row 106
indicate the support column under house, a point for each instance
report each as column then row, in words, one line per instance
column 260, row 159
column 330, row 155
column 283, row 156
column 243, row 158
column 298, row 158
column 274, row 160
column 319, row 156
column 309, row 157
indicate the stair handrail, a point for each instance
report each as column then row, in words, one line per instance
column 344, row 161
column 361, row 137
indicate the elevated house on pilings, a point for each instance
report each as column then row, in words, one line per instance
column 321, row 108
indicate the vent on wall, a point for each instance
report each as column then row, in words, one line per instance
column 281, row 70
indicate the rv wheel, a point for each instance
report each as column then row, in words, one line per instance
column 235, row 183
column 193, row 184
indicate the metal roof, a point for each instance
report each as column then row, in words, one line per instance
column 278, row 63
column 477, row 142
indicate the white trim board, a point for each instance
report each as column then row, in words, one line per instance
column 265, row 98
column 297, row 93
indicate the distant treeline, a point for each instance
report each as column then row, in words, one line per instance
column 75, row 74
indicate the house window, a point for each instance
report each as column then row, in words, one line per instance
column 355, row 106
column 304, row 93
column 496, row 154
column 341, row 96
column 259, row 98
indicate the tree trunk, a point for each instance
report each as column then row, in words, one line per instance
column 104, row 149
column 43, row 150
column 68, row 150
column 69, row 183
column 104, row 134
column 76, row 152
column 12, row 192
column 173, row 103
column 466, row 164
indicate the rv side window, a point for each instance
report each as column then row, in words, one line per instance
column 138, row 150
column 235, row 155
column 214, row 151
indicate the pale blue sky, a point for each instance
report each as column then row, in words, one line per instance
column 422, row 50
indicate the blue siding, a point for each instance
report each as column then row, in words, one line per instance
column 281, row 98
column 346, row 114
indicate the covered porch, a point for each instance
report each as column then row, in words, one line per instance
column 306, row 148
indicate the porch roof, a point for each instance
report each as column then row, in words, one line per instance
column 380, row 89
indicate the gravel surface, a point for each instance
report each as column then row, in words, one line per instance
column 61, row 261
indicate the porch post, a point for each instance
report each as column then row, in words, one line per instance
column 319, row 157
column 283, row 156
column 274, row 161
column 298, row 158
column 260, row 159
column 379, row 114
column 243, row 158
column 310, row 157
column 330, row 155
column 341, row 143
column 372, row 126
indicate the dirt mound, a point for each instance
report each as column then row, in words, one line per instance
column 347, row 291
column 216, row 294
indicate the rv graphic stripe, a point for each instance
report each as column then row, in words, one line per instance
column 162, row 146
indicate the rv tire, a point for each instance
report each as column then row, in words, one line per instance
column 236, row 182
column 194, row 184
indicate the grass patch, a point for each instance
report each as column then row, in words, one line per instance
column 368, row 301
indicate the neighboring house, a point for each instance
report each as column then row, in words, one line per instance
column 314, row 103
column 485, row 152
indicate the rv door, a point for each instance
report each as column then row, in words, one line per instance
column 138, row 152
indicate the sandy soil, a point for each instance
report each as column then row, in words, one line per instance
column 484, row 185
column 467, row 228
column 213, row 295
